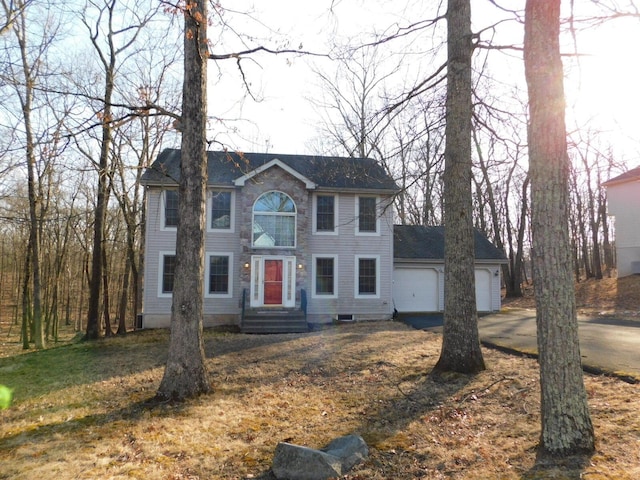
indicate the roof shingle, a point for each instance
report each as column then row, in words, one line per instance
column 328, row 172
column 419, row 242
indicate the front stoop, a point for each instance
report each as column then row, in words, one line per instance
column 261, row 320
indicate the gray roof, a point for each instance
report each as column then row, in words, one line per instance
column 419, row 242
column 326, row 172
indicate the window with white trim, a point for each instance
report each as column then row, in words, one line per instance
column 221, row 210
column 170, row 208
column 218, row 275
column 167, row 269
column 367, row 276
column 367, row 215
column 325, row 214
column 274, row 220
column 325, row 276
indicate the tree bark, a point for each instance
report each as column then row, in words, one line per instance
column 124, row 297
column 106, row 303
column 93, row 316
column 460, row 342
column 26, row 299
column 566, row 424
column 26, row 100
column 185, row 374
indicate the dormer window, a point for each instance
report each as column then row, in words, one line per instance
column 274, row 220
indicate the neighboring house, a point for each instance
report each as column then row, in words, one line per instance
column 623, row 199
column 297, row 239
column 418, row 277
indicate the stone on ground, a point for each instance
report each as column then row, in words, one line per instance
column 295, row 462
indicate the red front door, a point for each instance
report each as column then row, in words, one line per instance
column 273, row 282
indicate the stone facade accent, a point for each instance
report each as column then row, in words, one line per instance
column 274, row 179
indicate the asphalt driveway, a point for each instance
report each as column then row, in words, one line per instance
column 607, row 344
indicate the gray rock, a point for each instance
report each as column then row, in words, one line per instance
column 295, row 462
column 351, row 449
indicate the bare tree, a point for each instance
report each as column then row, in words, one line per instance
column 24, row 78
column 103, row 16
column 185, row 374
column 355, row 121
column 460, row 341
column 566, row 424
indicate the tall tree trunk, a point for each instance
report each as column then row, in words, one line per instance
column 566, row 424
column 102, row 197
column 26, row 299
column 34, row 240
column 26, row 99
column 460, row 342
column 93, row 317
column 124, row 296
column 581, row 237
column 106, row 303
column 185, row 374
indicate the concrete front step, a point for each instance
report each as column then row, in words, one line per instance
column 271, row 321
column 275, row 329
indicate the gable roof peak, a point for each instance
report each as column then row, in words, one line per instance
column 232, row 169
column 240, row 181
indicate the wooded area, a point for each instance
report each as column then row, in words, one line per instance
column 89, row 96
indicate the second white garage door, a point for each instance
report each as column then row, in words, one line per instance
column 416, row 290
column 483, row 290
column 419, row 290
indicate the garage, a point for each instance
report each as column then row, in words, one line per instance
column 418, row 278
column 416, row 290
column 483, row 290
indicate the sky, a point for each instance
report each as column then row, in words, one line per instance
column 283, row 120
column 601, row 87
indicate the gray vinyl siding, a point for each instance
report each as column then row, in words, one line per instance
column 347, row 245
column 225, row 242
column 157, row 308
column 157, row 240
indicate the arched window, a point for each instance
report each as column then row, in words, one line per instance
column 274, row 220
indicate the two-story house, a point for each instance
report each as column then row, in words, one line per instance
column 304, row 238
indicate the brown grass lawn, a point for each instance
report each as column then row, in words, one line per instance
column 80, row 410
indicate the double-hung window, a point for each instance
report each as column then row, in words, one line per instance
column 325, row 214
column 367, row 276
column 221, row 211
column 168, row 269
column 367, row 215
column 170, row 208
column 218, row 275
column 325, row 273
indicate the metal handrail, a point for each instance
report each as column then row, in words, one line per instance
column 243, row 301
column 303, row 302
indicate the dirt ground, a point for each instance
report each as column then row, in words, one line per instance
column 87, row 416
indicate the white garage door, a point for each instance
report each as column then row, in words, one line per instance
column 483, row 290
column 416, row 290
